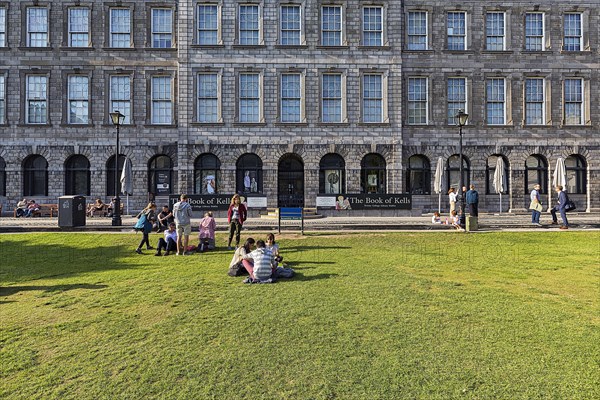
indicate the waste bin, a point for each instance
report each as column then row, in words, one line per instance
column 71, row 211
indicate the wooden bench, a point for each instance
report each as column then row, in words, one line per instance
column 291, row 214
column 103, row 212
column 46, row 210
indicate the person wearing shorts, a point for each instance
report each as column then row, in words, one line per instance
column 182, row 211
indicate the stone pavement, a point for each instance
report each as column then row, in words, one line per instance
column 487, row 222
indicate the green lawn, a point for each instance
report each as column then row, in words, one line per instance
column 368, row 316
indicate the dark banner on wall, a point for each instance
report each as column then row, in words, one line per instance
column 218, row 202
column 366, row 202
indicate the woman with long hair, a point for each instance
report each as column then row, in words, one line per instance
column 144, row 224
column 236, row 215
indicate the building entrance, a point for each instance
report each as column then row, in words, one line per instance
column 290, row 181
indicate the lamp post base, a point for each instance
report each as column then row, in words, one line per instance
column 116, row 218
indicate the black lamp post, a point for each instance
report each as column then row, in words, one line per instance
column 117, row 119
column 461, row 120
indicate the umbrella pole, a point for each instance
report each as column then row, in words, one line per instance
column 440, row 202
column 127, row 197
column 500, row 202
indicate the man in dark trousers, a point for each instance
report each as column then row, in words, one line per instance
column 560, row 207
column 473, row 202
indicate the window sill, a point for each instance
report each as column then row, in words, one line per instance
column 575, row 52
column 291, row 46
column 375, row 48
column 160, row 125
column 458, row 51
column 5, row 48
column 106, row 125
column 332, row 124
column 375, row 124
column 340, row 47
column 411, row 51
column 248, row 46
column 577, row 126
column 547, row 51
column 208, row 46
column 291, row 124
column 168, row 49
column 501, row 52
column 221, row 123
column 119, row 49
column 71, row 48
column 29, row 48
column 64, row 125
column 249, row 124
column 46, row 125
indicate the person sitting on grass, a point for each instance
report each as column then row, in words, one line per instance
column 273, row 247
column 169, row 243
column 237, row 262
column 164, row 219
column 455, row 220
column 207, row 232
column 436, row 219
column 263, row 263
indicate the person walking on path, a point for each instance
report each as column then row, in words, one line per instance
column 473, row 201
column 452, row 199
column 561, row 208
column 182, row 211
column 236, row 215
column 536, row 205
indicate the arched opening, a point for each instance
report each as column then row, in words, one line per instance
column 206, row 174
column 77, row 175
column 372, row 174
column 332, row 174
column 290, row 181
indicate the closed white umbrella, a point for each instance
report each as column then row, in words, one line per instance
column 560, row 174
column 499, row 178
column 437, row 182
column 127, row 180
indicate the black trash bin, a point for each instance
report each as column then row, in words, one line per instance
column 71, row 211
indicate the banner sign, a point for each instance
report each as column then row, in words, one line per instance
column 218, row 202
column 366, row 202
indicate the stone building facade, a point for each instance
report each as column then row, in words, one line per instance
column 302, row 98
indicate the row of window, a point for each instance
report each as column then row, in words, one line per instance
column 332, row 174
column 249, row 29
column 373, row 95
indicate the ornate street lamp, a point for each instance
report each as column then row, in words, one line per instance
column 461, row 120
column 117, row 120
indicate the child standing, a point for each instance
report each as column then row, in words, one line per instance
column 207, row 232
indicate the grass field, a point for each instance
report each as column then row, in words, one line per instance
column 368, row 316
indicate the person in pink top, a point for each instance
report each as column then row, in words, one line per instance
column 207, row 232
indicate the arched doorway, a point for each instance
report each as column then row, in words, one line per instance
column 290, row 181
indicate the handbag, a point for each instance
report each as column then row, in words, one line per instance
column 141, row 222
column 536, row 206
column 570, row 206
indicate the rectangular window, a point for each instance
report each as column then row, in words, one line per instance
column 208, row 98
column 37, row 99
column 372, row 98
column 417, row 30
column 2, row 99
column 331, row 26
column 120, row 96
column 496, row 101
column 372, row 26
column 120, row 27
column 79, row 96
column 249, row 97
column 291, row 25
column 573, row 101
column 249, row 25
column 534, row 31
column 457, row 98
column 37, row 27
column 291, row 98
column 534, row 101
column 208, row 24
column 162, row 28
column 494, row 31
column 331, row 98
column 417, row 101
column 457, row 31
column 573, row 39
column 162, row 104
column 2, row 26
column 79, row 23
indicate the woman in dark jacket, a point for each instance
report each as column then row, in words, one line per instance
column 236, row 215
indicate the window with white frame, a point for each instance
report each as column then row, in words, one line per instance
column 208, row 24
column 208, row 98
column 36, row 110
column 496, row 101
column 495, row 31
column 120, row 27
column 78, row 101
column 417, row 101
column 573, row 38
column 291, row 25
column 162, row 28
column 37, row 27
column 534, row 101
column 249, row 28
column 534, row 31
column 120, row 96
column 372, row 26
column 331, row 98
column 2, row 99
column 291, row 97
column 457, row 30
column 331, row 26
column 79, row 25
column 457, row 98
column 250, row 97
column 162, row 100
column 2, row 26
column 372, row 98
column 417, row 30
column 573, row 98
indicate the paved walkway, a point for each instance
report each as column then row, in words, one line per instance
column 487, row 222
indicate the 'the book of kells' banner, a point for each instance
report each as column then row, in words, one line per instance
column 366, row 202
column 218, row 202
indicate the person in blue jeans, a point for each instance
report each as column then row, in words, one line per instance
column 560, row 207
column 536, row 205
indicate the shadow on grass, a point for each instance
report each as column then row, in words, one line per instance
column 304, row 278
column 8, row 291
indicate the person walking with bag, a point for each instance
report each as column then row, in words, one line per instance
column 236, row 215
column 536, row 205
column 561, row 207
column 144, row 224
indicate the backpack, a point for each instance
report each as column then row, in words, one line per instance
column 237, row 270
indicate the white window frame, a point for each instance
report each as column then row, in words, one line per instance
column 31, row 31
column 342, row 98
column 3, row 24
column 381, row 32
column 258, row 99
column 299, row 99
column 463, row 105
column 42, row 99
column 501, row 34
column 153, row 30
column 382, row 99
column 85, row 99
column 158, row 101
column 488, row 102
column 72, row 32
column 565, row 36
column 543, row 37
column 216, row 98
column 409, row 43
column 541, row 103
column 582, row 103
column 258, row 30
column 2, row 99
column 449, row 35
column 114, row 103
column 218, row 37
column 112, row 32
column 418, row 101
column 300, row 30
column 342, row 29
